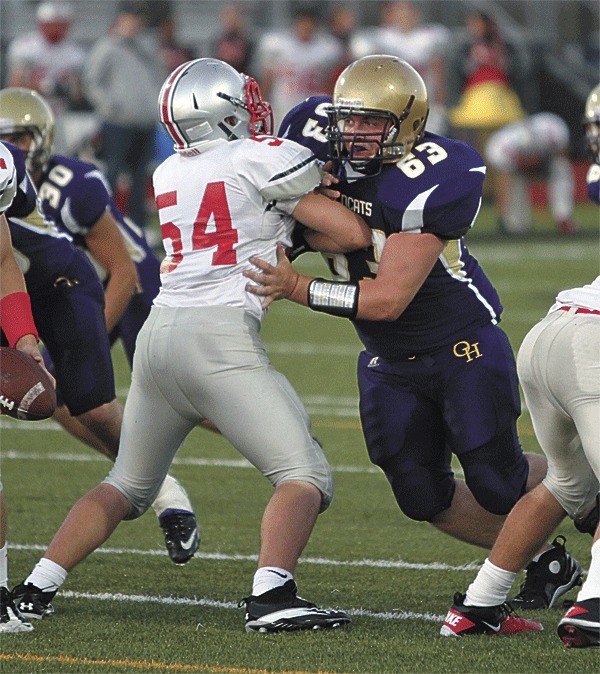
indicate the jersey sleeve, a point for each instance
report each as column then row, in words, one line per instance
column 452, row 206
column 451, row 190
column 306, row 123
column 86, row 199
column 280, row 170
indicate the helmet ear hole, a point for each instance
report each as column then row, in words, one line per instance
column 232, row 120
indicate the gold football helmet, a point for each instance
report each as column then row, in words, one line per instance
column 25, row 111
column 383, row 87
column 591, row 122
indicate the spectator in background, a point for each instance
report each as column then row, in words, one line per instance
column 403, row 34
column 233, row 44
column 123, row 78
column 342, row 25
column 488, row 100
column 533, row 148
column 49, row 62
column 160, row 17
column 297, row 63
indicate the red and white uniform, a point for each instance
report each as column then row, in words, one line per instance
column 47, row 63
column 538, row 142
column 219, row 208
column 559, row 370
column 199, row 355
column 418, row 47
column 300, row 69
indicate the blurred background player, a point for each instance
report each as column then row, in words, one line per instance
column 420, row 193
column 68, row 306
column 50, row 62
column 533, row 148
column 591, row 122
column 403, row 33
column 19, row 329
column 199, row 354
column 297, row 63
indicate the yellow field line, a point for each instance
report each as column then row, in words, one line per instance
column 140, row 664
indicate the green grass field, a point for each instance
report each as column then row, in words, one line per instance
column 128, row 609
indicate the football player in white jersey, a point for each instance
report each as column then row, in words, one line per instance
column 559, row 371
column 532, row 148
column 19, row 328
column 230, row 191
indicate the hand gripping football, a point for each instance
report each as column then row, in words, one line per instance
column 26, row 391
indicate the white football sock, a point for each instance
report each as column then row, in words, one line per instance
column 591, row 587
column 4, row 565
column 490, row 587
column 47, row 575
column 269, row 577
column 171, row 496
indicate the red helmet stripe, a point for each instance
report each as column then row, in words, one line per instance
column 166, row 110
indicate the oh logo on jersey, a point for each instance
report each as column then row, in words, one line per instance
column 467, row 350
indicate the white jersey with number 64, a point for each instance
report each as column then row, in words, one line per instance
column 220, row 207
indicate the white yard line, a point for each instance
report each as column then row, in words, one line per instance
column 209, row 603
column 18, row 455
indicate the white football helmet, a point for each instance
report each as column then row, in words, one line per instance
column 591, row 122
column 206, row 101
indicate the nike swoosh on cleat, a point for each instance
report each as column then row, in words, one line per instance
column 281, row 575
column 494, row 628
column 186, row 545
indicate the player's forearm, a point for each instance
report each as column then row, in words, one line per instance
column 121, row 287
column 332, row 224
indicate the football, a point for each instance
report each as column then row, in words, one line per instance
column 26, row 391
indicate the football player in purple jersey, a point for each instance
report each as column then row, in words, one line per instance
column 437, row 376
column 76, row 205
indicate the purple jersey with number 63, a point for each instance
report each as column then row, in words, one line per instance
column 437, row 189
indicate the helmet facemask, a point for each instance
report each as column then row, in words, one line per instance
column 387, row 90
column 207, row 101
column 389, row 141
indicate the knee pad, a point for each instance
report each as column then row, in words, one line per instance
column 496, row 473
column 319, row 476
column 421, row 494
column 139, row 498
column 308, row 464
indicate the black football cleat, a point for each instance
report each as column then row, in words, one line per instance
column 182, row 536
column 31, row 602
column 281, row 610
column 11, row 621
column 555, row 573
